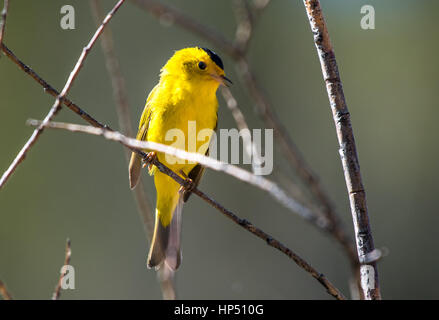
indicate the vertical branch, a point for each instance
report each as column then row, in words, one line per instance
column 165, row 276
column 348, row 152
column 57, row 105
column 57, row 292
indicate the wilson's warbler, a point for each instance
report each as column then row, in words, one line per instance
column 184, row 96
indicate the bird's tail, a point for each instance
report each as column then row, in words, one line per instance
column 165, row 245
column 134, row 169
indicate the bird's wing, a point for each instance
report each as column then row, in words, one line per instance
column 197, row 172
column 136, row 161
column 146, row 116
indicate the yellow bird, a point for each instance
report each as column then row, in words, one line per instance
column 184, row 101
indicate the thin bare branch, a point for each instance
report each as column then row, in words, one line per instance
column 57, row 105
column 4, row 292
column 137, row 146
column 48, row 88
column 249, row 146
column 68, row 255
column 4, row 14
column 244, row 27
column 165, row 277
column 258, row 181
column 348, row 151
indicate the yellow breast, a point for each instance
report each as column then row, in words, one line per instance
column 183, row 115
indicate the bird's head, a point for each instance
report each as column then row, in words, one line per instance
column 197, row 65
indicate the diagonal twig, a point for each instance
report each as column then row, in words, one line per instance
column 348, row 152
column 48, row 88
column 241, row 123
column 57, row 292
column 137, row 146
column 258, row 181
column 57, row 105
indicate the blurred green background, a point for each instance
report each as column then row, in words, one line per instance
column 76, row 186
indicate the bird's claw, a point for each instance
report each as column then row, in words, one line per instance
column 147, row 161
column 188, row 184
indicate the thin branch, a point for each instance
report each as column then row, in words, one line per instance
column 57, row 105
column 113, row 68
column 348, row 151
column 48, row 88
column 241, row 123
column 4, row 292
column 258, row 181
column 57, row 292
column 137, row 146
column 265, row 110
column 164, row 275
column 244, row 27
column 3, row 20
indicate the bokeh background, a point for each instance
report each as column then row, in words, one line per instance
column 76, row 186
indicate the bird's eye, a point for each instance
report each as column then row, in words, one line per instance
column 202, row 65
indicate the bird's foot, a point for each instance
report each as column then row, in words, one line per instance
column 188, row 184
column 147, row 161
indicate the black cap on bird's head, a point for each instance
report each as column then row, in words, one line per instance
column 215, row 58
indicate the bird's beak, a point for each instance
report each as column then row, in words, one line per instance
column 223, row 80
column 226, row 81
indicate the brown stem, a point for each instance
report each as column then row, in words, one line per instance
column 57, row 292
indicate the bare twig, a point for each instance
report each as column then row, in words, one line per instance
column 4, row 292
column 265, row 110
column 48, row 88
column 113, row 67
column 246, row 17
column 249, row 146
column 57, row 292
column 3, row 20
column 57, row 105
column 348, row 152
column 258, row 181
column 137, row 146
column 165, row 276
column 245, row 20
